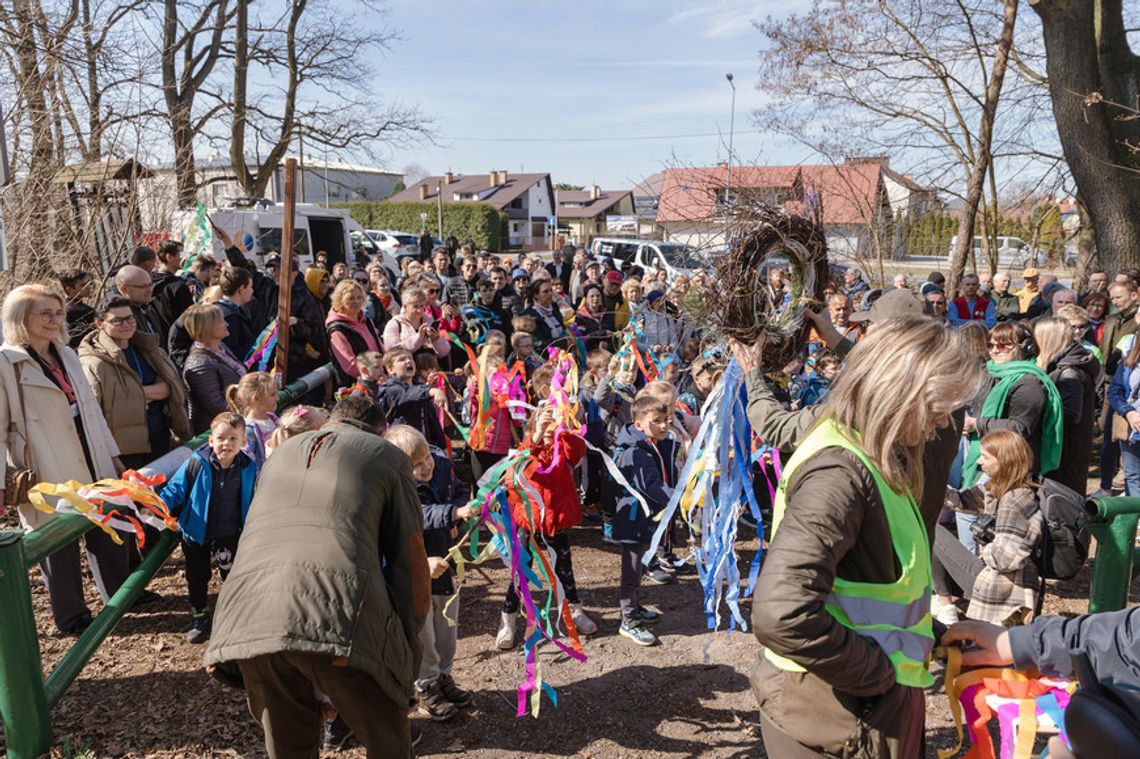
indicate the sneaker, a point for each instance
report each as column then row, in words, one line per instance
column 199, row 631
column 645, row 616
column 453, row 692
column 417, row 734
column 585, row 625
column 434, row 705
column 672, row 561
column 659, row 577
column 1101, row 493
column 946, row 613
column 637, row 634
column 505, row 639
column 337, row 734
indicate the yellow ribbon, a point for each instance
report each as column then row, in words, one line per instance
column 129, row 499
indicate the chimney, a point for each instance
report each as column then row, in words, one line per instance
column 447, row 178
column 493, row 178
column 502, row 177
column 595, row 192
column 423, row 191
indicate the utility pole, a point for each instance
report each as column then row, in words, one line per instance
column 731, row 127
column 285, row 272
column 439, row 207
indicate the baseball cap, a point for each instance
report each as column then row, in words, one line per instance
column 654, row 296
column 893, row 305
column 1030, row 272
column 615, row 277
column 520, row 274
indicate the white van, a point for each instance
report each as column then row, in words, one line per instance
column 1012, row 252
column 258, row 229
column 650, row 255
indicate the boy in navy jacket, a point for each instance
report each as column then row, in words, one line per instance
column 404, row 399
column 444, row 503
column 649, row 464
column 210, row 493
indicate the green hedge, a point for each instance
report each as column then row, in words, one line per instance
column 482, row 221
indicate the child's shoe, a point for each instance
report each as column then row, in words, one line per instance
column 453, row 692
column 199, row 631
column 585, row 625
column 646, row 617
column 659, row 576
column 505, row 639
column 434, row 705
column 637, row 634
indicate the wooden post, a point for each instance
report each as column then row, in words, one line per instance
column 285, row 271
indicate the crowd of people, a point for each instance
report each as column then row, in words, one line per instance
column 893, row 463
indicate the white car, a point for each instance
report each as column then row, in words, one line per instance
column 397, row 243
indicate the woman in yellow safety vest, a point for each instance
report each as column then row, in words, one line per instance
column 843, row 602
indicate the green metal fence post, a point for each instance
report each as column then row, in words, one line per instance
column 1112, row 521
column 23, row 704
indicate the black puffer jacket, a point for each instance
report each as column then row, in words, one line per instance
column 1077, row 374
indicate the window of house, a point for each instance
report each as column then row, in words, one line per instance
column 516, row 203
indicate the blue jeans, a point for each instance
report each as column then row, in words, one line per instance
column 1130, row 458
column 965, row 537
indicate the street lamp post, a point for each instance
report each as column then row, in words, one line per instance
column 731, row 128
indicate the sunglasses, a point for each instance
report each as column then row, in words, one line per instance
column 1000, row 346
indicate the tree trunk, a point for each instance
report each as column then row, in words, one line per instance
column 1088, row 61
column 241, row 71
column 1086, row 247
column 976, row 183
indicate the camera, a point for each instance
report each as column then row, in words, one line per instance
column 983, row 529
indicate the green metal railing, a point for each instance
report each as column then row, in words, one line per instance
column 1112, row 521
column 26, row 698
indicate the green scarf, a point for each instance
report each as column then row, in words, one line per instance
column 1052, row 425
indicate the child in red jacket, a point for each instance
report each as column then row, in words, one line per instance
column 561, row 511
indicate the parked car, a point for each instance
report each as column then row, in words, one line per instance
column 650, row 255
column 398, row 243
column 1012, row 252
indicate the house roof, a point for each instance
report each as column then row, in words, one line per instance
column 849, row 193
column 102, row 171
column 583, row 207
column 478, row 185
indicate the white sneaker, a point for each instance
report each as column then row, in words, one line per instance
column 505, row 639
column 585, row 625
column 945, row 613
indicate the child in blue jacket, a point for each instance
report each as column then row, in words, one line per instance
column 210, row 493
column 649, row 464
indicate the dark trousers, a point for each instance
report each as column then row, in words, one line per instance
column 1109, row 451
column 563, row 568
column 953, row 567
column 280, row 691
column 63, row 575
column 629, row 592
column 198, row 557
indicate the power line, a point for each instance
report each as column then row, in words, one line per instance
column 586, row 139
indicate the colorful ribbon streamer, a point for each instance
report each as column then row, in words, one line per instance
column 113, row 504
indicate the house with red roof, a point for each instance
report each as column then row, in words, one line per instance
column 855, row 200
column 585, row 214
column 527, row 200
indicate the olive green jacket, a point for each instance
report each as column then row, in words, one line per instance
column 323, row 562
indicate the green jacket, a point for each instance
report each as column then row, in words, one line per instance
column 323, row 563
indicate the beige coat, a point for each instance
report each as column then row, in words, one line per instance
column 120, row 391
column 56, row 451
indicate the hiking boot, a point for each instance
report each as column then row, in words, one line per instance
column 585, row 625
column 505, row 639
column 659, row 576
column 337, row 734
column 646, row 617
column 199, row 631
column 453, row 692
column 637, row 634
column 434, row 705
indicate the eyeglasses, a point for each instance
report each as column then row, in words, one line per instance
column 50, row 316
column 121, row 320
column 1000, row 346
column 432, row 291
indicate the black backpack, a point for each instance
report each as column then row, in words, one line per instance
column 1065, row 542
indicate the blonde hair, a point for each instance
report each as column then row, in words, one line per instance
column 211, row 294
column 295, row 420
column 660, row 389
column 408, row 439
column 201, row 319
column 1072, row 311
column 341, row 293
column 1053, row 336
column 254, row 384
column 1014, row 459
column 18, row 308
column 930, row 374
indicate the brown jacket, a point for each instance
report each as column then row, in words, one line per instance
column 323, row 566
column 1116, row 326
column 120, row 391
column 834, row 526
column 55, row 448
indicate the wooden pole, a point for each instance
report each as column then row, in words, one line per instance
column 285, row 271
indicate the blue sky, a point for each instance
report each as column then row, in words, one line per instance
column 587, row 69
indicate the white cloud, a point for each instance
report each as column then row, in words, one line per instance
column 720, row 19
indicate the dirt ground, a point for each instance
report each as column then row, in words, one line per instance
column 144, row 694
